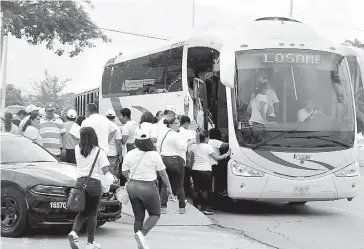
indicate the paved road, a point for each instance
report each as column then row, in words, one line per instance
column 320, row 225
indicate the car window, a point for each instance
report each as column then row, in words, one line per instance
column 22, row 150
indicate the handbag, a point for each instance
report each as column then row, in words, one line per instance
column 122, row 193
column 190, row 159
column 77, row 199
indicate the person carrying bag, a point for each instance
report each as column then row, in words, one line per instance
column 143, row 163
column 92, row 164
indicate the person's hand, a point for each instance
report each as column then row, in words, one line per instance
column 228, row 153
column 170, row 193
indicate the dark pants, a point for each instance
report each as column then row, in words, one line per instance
column 70, row 156
column 175, row 167
column 144, row 196
column 219, row 173
column 129, row 147
column 93, row 199
column 187, row 181
column 202, row 181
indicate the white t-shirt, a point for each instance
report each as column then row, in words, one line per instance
column 151, row 128
column 143, row 166
column 84, row 164
column 113, row 151
column 255, row 105
column 129, row 130
column 271, row 100
column 102, row 127
column 187, row 134
column 22, row 123
column 202, row 158
column 173, row 144
column 303, row 114
column 215, row 144
column 33, row 133
column 161, row 127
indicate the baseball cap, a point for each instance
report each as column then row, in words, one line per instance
column 72, row 113
column 110, row 113
column 141, row 134
column 50, row 106
column 31, row 108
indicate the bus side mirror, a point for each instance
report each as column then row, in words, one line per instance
column 227, row 66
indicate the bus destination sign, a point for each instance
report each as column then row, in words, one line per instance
column 292, row 58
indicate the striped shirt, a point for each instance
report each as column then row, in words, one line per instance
column 51, row 132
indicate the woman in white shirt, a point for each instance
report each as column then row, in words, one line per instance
column 202, row 170
column 143, row 163
column 173, row 150
column 31, row 128
column 86, row 152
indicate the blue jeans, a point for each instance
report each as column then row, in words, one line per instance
column 175, row 167
column 93, row 198
column 144, row 196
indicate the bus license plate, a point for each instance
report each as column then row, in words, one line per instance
column 301, row 190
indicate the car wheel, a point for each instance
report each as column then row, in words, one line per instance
column 100, row 223
column 13, row 212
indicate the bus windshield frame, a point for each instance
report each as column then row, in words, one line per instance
column 305, row 95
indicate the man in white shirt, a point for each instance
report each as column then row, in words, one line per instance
column 115, row 146
column 306, row 112
column 101, row 125
column 128, row 131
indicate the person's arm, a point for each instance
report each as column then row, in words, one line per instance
column 126, row 167
column 103, row 162
column 216, row 156
column 161, row 169
column 126, row 130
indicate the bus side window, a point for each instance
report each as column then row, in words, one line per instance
column 155, row 73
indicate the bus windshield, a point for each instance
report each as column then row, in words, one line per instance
column 293, row 98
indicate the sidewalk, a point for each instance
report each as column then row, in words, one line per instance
column 193, row 216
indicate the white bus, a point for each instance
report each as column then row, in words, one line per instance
column 282, row 160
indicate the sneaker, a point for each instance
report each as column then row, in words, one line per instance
column 93, row 245
column 73, row 239
column 207, row 212
column 182, row 210
column 163, row 210
column 139, row 237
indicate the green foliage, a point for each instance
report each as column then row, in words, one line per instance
column 13, row 96
column 65, row 23
column 49, row 90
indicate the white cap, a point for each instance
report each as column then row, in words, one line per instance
column 72, row 113
column 141, row 134
column 31, row 108
column 110, row 113
column 171, row 108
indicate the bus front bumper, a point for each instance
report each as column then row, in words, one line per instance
column 274, row 188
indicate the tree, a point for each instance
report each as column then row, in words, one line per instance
column 355, row 43
column 13, row 96
column 50, row 22
column 48, row 90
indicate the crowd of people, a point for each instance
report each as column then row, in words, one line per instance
column 149, row 155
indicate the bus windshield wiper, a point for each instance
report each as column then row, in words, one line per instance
column 324, row 138
column 274, row 137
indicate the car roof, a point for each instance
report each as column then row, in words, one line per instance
column 6, row 136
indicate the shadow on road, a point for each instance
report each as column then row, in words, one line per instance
column 225, row 204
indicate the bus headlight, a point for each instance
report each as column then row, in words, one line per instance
column 240, row 169
column 349, row 171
